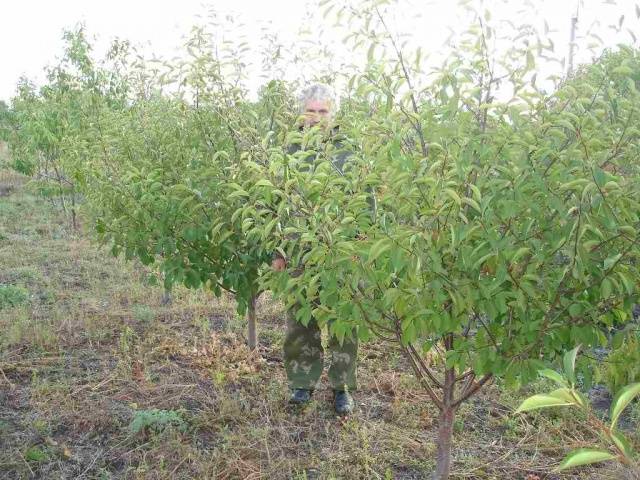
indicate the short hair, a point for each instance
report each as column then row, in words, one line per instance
column 318, row 91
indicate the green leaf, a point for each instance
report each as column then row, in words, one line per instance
column 472, row 203
column 623, row 444
column 370, row 52
column 477, row 195
column 555, row 376
column 628, row 283
column 531, row 61
column 575, row 310
column 521, row 251
column 264, row 183
column 628, row 230
column 478, row 263
column 453, row 195
column 192, row 279
column 622, row 399
column 378, row 249
column 435, row 145
column 545, row 400
column 569, row 126
column 609, row 262
column 574, row 184
column 605, row 289
column 569, row 363
column 267, row 229
column 237, row 193
column 584, row 456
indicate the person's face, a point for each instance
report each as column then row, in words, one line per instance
column 316, row 112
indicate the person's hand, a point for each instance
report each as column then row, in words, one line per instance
column 278, row 264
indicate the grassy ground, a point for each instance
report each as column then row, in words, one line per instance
column 99, row 380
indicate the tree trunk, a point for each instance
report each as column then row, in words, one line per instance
column 445, row 432
column 251, row 315
column 445, row 423
column 166, row 297
column 74, row 220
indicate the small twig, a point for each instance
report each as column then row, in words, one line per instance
column 425, row 368
column 179, row 465
column 414, row 104
column 473, row 389
column 94, row 388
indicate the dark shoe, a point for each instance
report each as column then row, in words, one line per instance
column 343, row 402
column 300, row 396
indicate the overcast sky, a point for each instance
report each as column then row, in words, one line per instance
column 31, row 30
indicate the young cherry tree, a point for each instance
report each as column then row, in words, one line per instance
column 164, row 180
column 40, row 124
column 158, row 152
column 47, row 126
column 501, row 237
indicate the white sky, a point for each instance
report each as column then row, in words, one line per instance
column 31, row 30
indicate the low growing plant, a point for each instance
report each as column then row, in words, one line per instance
column 612, row 444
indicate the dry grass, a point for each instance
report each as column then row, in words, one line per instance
column 92, row 347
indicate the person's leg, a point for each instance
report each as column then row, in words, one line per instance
column 303, row 354
column 344, row 360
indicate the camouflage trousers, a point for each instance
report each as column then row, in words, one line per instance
column 304, row 357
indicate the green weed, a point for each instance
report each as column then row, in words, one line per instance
column 155, row 421
column 12, row 296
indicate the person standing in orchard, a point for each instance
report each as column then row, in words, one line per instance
column 303, row 350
